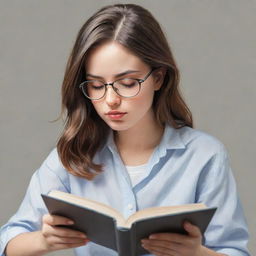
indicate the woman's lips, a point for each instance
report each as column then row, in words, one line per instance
column 115, row 115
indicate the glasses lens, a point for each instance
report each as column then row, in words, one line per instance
column 127, row 87
column 93, row 89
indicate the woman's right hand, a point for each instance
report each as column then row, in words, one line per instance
column 58, row 238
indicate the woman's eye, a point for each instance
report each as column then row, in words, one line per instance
column 128, row 83
column 96, row 85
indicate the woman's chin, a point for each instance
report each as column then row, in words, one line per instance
column 117, row 125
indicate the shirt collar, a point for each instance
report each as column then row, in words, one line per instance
column 171, row 138
column 110, row 142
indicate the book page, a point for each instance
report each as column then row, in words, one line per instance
column 121, row 222
column 160, row 211
column 89, row 204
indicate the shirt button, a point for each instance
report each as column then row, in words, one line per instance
column 130, row 206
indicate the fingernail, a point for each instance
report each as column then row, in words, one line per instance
column 70, row 222
column 152, row 237
column 187, row 224
column 83, row 236
column 144, row 246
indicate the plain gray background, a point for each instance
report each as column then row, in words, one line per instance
column 214, row 45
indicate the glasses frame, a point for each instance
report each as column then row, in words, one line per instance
column 140, row 81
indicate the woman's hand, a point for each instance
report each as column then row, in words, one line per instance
column 171, row 244
column 58, row 238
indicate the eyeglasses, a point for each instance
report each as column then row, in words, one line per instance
column 125, row 87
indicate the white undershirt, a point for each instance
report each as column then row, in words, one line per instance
column 136, row 172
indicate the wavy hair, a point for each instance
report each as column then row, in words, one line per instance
column 85, row 132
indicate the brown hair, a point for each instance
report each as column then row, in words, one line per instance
column 85, row 132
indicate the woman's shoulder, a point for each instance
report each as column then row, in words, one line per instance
column 52, row 163
column 200, row 140
column 53, row 160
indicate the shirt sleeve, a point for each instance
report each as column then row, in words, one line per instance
column 29, row 215
column 227, row 233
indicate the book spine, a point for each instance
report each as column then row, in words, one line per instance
column 123, row 242
column 134, row 242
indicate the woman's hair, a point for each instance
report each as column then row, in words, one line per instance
column 85, row 132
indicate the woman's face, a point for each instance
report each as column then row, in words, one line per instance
column 104, row 63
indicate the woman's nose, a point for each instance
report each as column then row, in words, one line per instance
column 112, row 98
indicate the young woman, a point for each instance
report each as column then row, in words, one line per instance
column 128, row 142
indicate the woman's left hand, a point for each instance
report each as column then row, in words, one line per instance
column 171, row 244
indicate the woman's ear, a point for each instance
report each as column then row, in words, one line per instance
column 158, row 76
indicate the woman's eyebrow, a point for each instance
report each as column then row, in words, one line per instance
column 116, row 75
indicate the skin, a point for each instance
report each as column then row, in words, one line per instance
column 138, row 131
column 136, row 135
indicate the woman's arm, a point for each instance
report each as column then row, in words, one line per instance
column 28, row 232
column 50, row 238
column 22, row 245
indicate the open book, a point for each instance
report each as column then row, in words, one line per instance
column 106, row 226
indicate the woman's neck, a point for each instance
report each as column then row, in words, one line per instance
column 139, row 139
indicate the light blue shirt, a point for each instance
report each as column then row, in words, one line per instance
column 188, row 166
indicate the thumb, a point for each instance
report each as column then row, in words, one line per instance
column 192, row 230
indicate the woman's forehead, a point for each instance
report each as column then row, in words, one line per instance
column 112, row 58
